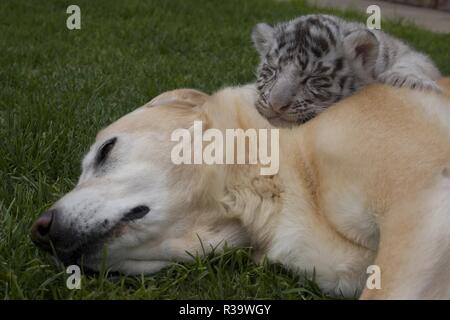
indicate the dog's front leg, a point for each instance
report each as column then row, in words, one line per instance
column 414, row 250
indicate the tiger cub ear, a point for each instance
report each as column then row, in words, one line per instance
column 361, row 47
column 263, row 36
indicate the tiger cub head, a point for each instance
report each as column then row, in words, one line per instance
column 309, row 63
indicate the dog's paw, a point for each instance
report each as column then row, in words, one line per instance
column 401, row 80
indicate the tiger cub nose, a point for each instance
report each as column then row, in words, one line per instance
column 280, row 101
column 279, row 107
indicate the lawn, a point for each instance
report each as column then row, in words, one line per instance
column 59, row 87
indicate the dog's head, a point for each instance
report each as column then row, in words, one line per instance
column 132, row 207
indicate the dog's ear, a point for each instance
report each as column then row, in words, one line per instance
column 179, row 98
column 361, row 48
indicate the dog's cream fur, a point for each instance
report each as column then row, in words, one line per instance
column 366, row 182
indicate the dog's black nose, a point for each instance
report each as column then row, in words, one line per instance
column 40, row 231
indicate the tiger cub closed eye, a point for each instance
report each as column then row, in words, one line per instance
column 313, row 61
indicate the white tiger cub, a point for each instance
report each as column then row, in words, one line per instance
column 313, row 61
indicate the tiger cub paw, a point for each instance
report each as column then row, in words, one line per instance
column 412, row 81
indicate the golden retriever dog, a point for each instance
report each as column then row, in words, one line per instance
column 364, row 186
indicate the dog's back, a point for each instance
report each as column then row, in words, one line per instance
column 371, row 159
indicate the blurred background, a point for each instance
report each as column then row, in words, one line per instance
column 431, row 14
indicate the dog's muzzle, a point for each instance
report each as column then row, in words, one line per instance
column 68, row 243
column 49, row 234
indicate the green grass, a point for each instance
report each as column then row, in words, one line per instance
column 59, row 87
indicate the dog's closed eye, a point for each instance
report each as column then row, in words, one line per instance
column 136, row 213
column 104, row 150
